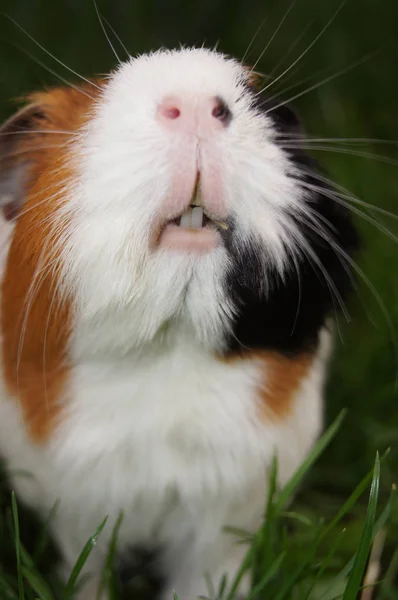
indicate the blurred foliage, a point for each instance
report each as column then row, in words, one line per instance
column 361, row 103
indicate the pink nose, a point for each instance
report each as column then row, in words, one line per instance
column 203, row 117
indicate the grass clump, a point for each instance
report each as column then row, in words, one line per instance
column 295, row 555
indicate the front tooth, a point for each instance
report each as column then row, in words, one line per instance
column 197, row 217
column 186, row 218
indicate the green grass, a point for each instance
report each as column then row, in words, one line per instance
column 293, row 556
column 362, row 103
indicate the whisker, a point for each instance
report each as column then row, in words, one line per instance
column 33, row 287
column 37, row 204
column 324, row 81
column 274, row 34
column 343, row 150
column 320, row 225
column 6, row 155
column 314, row 260
column 351, row 140
column 34, row 131
column 116, row 35
column 54, row 296
column 301, row 56
column 49, row 53
column 378, row 299
column 343, row 255
column 34, row 58
column 344, row 193
column 353, row 209
column 290, row 50
column 299, row 296
column 313, row 77
column 105, row 32
column 259, row 28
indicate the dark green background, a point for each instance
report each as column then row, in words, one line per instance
column 361, row 103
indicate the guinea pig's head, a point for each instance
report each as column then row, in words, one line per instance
column 160, row 204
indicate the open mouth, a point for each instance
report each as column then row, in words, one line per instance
column 195, row 230
column 195, row 217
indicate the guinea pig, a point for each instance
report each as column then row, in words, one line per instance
column 169, row 272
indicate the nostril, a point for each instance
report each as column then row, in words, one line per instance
column 221, row 112
column 171, row 112
column 170, row 108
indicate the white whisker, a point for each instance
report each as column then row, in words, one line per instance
column 54, row 296
column 259, row 28
column 322, row 82
column 345, row 194
column 343, row 150
column 49, row 70
column 7, row 155
column 377, row 297
column 353, row 209
column 314, row 260
column 115, row 34
column 354, row 140
column 290, row 50
column 301, row 56
column 105, row 32
column 51, row 55
column 274, row 34
column 38, row 131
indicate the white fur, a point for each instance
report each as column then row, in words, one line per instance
column 125, row 162
column 154, row 424
column 176, row 442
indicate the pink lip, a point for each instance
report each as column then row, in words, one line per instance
column 181, row 239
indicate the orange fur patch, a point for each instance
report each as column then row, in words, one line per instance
column 35, row 320
column 282, row 379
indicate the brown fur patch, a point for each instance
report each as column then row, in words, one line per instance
column 282, row 379
column 35, row 320
column 254, row 78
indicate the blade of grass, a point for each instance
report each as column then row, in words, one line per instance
column 361, row 556
column 353, row 498
column 251, row 558
column 238, row 577
column 108, row 578
column 17, row 546
column 385, row 514
column 272, row 571
column 289, row 489
column 7, row 591
column 222, row 587
column 81, row 561
column 263, row 543
column 390, row 576
column 38, row 584
column 44, row 537
column 326, row 562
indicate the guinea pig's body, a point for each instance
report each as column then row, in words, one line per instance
column 155, row 356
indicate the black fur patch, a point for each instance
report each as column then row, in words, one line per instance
column 139, row 574
column 288, row 318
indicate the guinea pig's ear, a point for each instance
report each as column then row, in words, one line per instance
column 15, row 157
column 285, row 118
